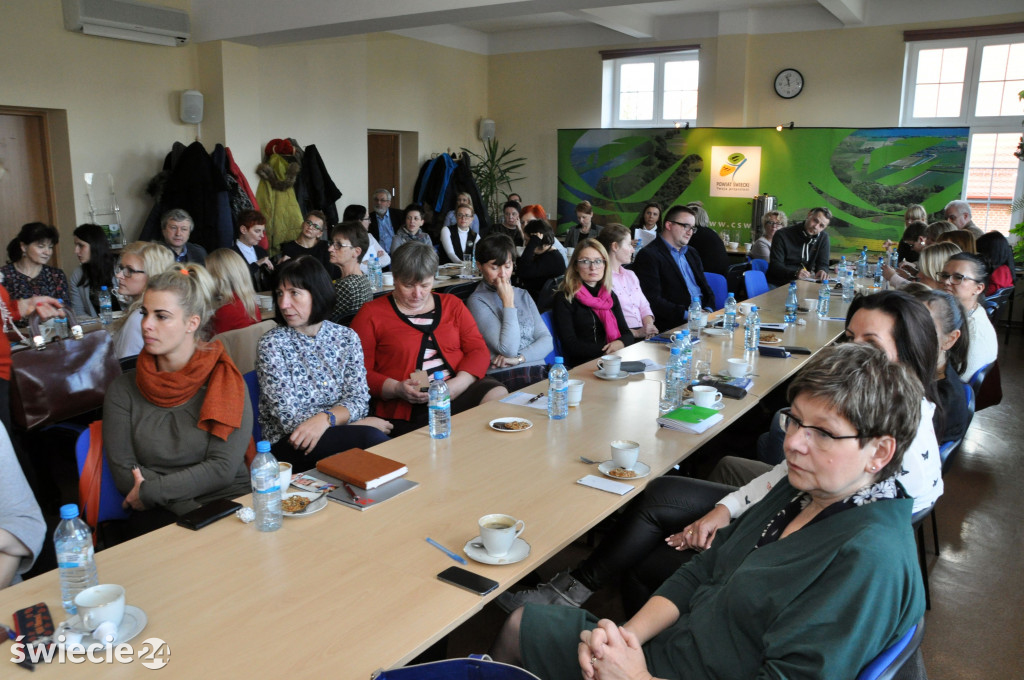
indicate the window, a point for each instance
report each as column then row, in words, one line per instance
column 652, row 90
column 973, row 82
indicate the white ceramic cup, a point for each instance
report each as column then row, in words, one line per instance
column 625, row 453
column 388, row 278
column 706, row 396
column 575, row 392
column 810, row 303
column 744, row 307
column 284, row 471
column 737, row 368
column 610, row 365
column 734, row 244
column 748, row 246
column 498, row 533
column 101, row 604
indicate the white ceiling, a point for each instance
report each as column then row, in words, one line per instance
column 500, row 26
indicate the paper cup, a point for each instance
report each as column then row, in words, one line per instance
column 575, row 392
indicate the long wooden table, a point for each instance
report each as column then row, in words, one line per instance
column 343, row 592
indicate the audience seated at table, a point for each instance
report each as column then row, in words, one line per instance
column 962, row 238
column 352, row 289
column 584, row 227
column 252, row 228
column 139, row 261
column 313, row 395
column 178, row 427
column 998, row 255
column 771, row 223
column 828, row 551
column 515, row 333
column 458, row 239
column 511, row 224
column 587, row 315
column 929, row 264
column 965, row 276
column 22, row 528
column 537, row 212
column 233, row 294
column 176, row 227
column 415, row 329
column 412, row 230
column 310, row 242
column 451, row 219
column 27, row 272
column 801, row 251
column 12, row 311
column 707, row 243
column 358, row 213
column 618, row 243
column 540, row 264
column 670, row 272
column 913, row 234
column 648, row 224
column 95, row 269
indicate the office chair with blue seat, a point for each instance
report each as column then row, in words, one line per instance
column 556, row 350
column 756, row 283
column 719, row 287
column 110, row 502
column 888, row 663
column 759, row 265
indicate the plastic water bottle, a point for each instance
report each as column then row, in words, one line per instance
column 841, row 267
column 862, row 263
column 266, row 488
column 106, row 310
column 75, row 556
column 681, row 339
column 375, row 274
column 894, row 258
column 60, row 323
column 752, row 330
column 696, row 317
column 791, row 304
column 440, row 407
column 848, row 286
column 730, row 312
column 558, row 390
column 824, row 299
column 878, row 272
column 675, row 378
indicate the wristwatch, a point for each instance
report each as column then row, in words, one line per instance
column 330, row 417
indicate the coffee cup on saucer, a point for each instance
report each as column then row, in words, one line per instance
column 101, row 609
column 284, row 471
column 625, row 453
column 706, row 396
column 498, row 533
column 738, row 368
column 610, row 366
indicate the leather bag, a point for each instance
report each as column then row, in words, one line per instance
column 63, row 379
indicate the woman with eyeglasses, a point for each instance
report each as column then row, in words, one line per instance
column 965, row 276
column 353, row 289
column 457, row 240
column 27, row 272
column 310, row 242
column 359, row 213
column 772, row 222
column 139, row 260
column 452, row 218
column 587, row 315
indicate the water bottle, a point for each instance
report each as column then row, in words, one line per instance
column 266, row 488
column 730, row 312
column 696, row 314
column 894, row 258
column 440, row 407
column 849, row 289
column 681, row 339
column 862, row 263
column 824, row 298
column 841, row 267
column 558, row 391
column 73, row 541
column 675, row 379
column 791, row 304
column 752, row 330
column 106, row 310
column 878, row 272
column 60, row 323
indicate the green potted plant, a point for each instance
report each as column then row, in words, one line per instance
column 494, row 171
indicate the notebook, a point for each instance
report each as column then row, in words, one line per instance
column 693, row 419
column 361, row 468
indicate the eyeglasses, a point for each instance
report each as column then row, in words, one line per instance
column 955, row 279
column 816, row 436
column 686, row 227
column 590, row 263
column 464, row 216
column 338, row 246
column 127, row 272
column 309, row 223
column 770, row 223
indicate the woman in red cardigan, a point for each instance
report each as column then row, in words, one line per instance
column 415, row 329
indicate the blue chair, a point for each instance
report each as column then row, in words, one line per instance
column 756, row 283
column 719, row 287
column 978, row 378
column 759, row 265
column 556, row 345
column 476, row 667
column 886, row 665
column 253, row 384
column 110, row 498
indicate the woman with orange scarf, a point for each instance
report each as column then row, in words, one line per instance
column 177, row 429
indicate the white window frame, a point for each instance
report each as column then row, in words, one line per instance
column 612, row 72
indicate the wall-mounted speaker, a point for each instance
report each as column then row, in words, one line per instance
column 486, row 129
column 191, row 106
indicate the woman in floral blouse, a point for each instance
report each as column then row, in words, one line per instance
column 28, row 272
column 313, row 394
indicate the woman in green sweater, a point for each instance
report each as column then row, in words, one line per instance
column 813, row 581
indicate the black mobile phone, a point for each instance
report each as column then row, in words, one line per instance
column 467, row 580
column 779, row 352
column 208, row 514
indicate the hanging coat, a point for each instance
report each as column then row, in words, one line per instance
column 236, row 172
column 314, row 189
column 276, row 196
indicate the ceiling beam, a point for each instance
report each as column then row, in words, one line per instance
column 629, row 22
column 850, row 12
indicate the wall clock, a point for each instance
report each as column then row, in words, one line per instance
column 789, row 83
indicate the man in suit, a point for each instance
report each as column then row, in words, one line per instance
column 176, row 226
column 670, row 272
column 384, row 220
column 801, row 251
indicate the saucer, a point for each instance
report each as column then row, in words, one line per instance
column 718, row 405
column 776, row 341
column 494, row 424
column 519, row 551
column 641, row 469
column 131, row 625
column 442, row 278
column 620, row 376
column 716, row 331
column 314, row 507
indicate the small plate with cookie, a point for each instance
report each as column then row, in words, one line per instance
column 610, row 469
column 302, row 503
column 770, row 339
column 510, row 424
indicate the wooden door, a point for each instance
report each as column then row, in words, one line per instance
column 383, row 149
column 25, row 176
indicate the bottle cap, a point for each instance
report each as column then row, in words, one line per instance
column 559, row 360
column 69, row 511
column 676, row 350
column 438, row 375
column 103, row 287
column 263, row 446
column 753, row 308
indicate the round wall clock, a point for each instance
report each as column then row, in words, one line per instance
column 789, row 83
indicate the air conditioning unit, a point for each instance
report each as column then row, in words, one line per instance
column 127, row 20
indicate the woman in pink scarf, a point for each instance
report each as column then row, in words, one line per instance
column 588, row 317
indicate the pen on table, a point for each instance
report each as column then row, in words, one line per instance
column 535, row 398
column 446, row 551
column 351, row 491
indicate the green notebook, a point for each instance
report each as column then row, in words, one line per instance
column 694, row 419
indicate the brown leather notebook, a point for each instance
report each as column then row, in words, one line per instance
column 361, row 468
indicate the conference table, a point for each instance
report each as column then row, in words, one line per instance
column 343, row 592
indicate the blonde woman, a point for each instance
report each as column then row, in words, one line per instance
column 234, row 295
column 139, row 261
column 929, row 264
column 587, row 314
